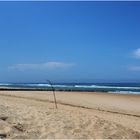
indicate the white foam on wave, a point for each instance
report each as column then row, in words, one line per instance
column 46, row 85
column 61, row 86
column 105, row 87
column 124, row 92
column 43, row 85
column 5, row 84
column 38, row 85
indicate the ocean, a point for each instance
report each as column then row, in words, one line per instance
column 123, row 88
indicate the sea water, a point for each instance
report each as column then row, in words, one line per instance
column 124, row 88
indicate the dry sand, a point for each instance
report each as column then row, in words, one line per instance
column 28, row 114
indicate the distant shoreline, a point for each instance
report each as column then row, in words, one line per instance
column 45, row 89
column 64, row 90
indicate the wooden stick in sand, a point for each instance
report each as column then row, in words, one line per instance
column 50, row 83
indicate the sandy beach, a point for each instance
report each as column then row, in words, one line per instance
column 32, row 114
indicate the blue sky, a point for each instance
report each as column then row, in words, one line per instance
column 70, row 41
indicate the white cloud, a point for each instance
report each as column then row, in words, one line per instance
column 136, row 53
column 48, row 66
column 54, row 65
column 134, row 68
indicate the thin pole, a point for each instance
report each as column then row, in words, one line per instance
column 53, row 93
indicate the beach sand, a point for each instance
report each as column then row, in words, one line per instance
column 32, row 114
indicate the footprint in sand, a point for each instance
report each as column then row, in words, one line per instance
column 5, row 129
column 4, row 118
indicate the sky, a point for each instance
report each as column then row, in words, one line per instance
column 70, row 41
